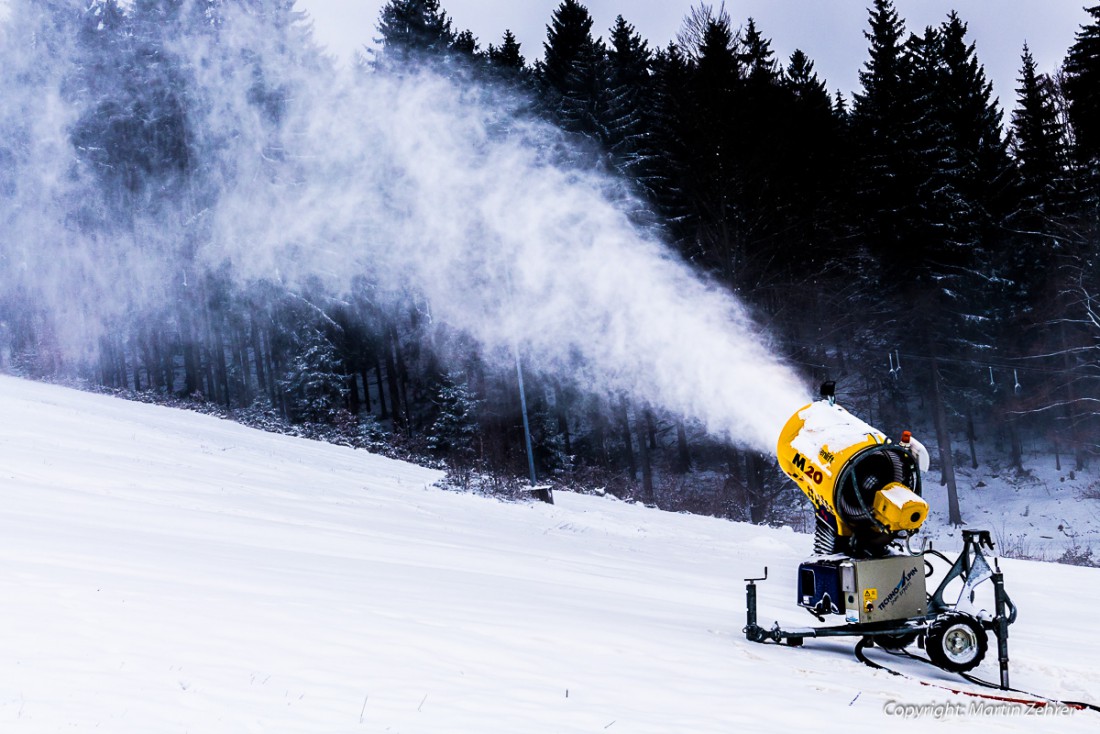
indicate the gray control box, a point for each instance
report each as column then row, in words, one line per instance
column 883, row 589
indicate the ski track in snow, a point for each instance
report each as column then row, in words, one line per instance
column 165, row 571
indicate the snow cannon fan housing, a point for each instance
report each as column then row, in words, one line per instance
column 865, row 490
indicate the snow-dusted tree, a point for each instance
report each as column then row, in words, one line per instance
column 935, row 170
column 413, row 31
column 671, row 75
column 454, row 430
column 314, row 381
column 465, row 44
column 981, row 170
column 629, row 101
column 573, row 75
column 1045, row 193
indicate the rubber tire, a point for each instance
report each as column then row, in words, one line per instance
column 896, row 642
column 956, row 642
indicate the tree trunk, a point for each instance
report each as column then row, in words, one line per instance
column 353, row 393
column 258, row 357
column 971, row 437
column 599, row 436
column 403, row 382
column 628, row 444
column 364, row 374
column 943, row 439
column 683, row 455
column 223, row 368
column 1079, row 456
column 192, row 373
column 1015, row 446
column 642, row 428
column 758, row 503
column 651, row 427
column 391, row 379
column 244, row 382
column 732, row 482
column 563, row 420
column 385, row 413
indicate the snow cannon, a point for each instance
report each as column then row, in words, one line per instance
column 866, row 496
column 865, row 489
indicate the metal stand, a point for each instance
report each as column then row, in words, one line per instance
column 971, row 566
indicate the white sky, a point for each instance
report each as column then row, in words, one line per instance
column 829, row 31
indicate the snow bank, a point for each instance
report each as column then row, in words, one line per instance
column 165, row 571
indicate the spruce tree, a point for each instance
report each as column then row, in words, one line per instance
column 757, row 58
column 1082, row 88
column 568, row 42
column 882, row 120
column 812, row 149
column 804, row 84
column 413, row 31
column 465, row 44
column 973, row 121
column 315, row 380
column 453, row 431
column 671, row 165
column 1039, row 145
column 573, row 73
column 507, row 55
column 629, row 100
column 710, row 175
column 506, row 63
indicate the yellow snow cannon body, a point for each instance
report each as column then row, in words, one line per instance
column 865, row 489
column 866, row 494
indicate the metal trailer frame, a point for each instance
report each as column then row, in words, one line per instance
column 970, row 559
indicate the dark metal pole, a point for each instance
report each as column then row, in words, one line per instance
column 1002, row 626
column 526, row 424
column 543, row 493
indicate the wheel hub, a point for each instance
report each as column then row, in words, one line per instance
column 960, row 644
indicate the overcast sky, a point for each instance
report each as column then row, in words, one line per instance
column 829, row 31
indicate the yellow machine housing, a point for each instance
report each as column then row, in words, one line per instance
column 864, row 488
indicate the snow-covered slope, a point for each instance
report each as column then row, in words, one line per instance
column 163, row 571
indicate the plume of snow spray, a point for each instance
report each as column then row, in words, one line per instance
column 420, row 181
column 426, row 181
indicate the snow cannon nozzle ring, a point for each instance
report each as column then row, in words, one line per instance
column 828, row 391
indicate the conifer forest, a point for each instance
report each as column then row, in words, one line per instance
column 199, row 206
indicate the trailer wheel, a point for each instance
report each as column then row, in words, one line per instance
column 956, row 643
column 896, row 642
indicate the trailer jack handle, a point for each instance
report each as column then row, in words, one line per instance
column 752, row 630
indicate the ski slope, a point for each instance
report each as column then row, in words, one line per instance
column 165, row 571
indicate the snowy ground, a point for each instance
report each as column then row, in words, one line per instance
column 164, row 571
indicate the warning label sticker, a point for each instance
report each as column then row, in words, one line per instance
column 870, row 594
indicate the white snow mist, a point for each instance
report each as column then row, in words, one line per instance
column 443, row 188
column 422, row 181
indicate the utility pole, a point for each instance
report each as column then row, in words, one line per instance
column 543, row 493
